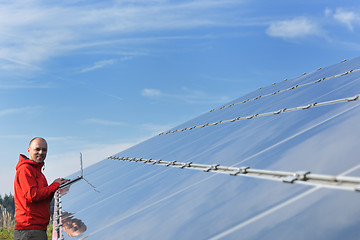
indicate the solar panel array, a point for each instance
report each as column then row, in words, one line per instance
column 281, row 162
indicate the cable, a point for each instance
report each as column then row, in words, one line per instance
column 316, row 104
column 291, row 88
column 304, row 177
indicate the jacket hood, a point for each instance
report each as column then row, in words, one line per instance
column 25, row 160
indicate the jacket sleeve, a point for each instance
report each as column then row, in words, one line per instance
column 30, row 188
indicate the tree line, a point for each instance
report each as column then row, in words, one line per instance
column 8, row 202
column 7, row 210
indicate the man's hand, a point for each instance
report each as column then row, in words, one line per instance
column 61, row 180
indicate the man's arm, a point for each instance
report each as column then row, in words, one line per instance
column 32, row 192
column 61, row 180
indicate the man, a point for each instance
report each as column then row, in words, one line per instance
column 32, row 193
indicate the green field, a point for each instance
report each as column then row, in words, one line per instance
column 7, row 223
column 8, row 232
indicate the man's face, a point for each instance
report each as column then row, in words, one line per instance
column 37, row 150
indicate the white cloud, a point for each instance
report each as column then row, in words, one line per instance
column 35, row 31
column 328, row 12
column 200, row 97
column 104, row 122
column 10, row 111
column 294, row 28
column 348, row 18
column 64, row 139
column 187, row 95
column 14, row 136
column 99, row 64
column 25, row 84
column 155, row 128
column 151, row 92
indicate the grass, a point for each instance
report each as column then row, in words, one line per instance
column 8, row 233
column 7, row 224
column 6, row 219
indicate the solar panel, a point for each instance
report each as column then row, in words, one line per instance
column 281, row 162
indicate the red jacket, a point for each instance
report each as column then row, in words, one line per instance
column 32, row 195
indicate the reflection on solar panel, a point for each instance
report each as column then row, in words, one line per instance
column 213, row 177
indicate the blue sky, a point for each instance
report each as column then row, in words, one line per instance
column 99, row 76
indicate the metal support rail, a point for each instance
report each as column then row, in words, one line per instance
column 349, row 99
column 302, row 177
column 287, row 89
column 57, row 234
column 58, row 215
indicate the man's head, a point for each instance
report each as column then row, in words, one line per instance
column 37, row 149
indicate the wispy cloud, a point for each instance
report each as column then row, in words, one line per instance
column 15, row 136
column 34, row 31
column 103, row 122
column 223, row 79
column 99, row 64
column 62, row 139
column 25, row 85
column 147, row 92
column 155, row 128
column 11, row 111
column 187, row 95
column 293, row 28
column 349, row 18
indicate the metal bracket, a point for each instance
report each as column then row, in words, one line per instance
column 300, row 175
column 148, row 160
column 280, row 111
column 235, row 173
column 353, row 98
column 186, row 165
column 241, row 170
column 170, row 163
column 289, row 179
column 307, row 106
column 235, row 119
column 156, row 162
column 320, row 80
column 58, row 204
column 212, row 167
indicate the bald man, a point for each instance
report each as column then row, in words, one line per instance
column 32, row 193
